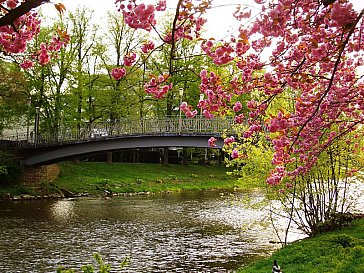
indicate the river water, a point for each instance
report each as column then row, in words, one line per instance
column 202, row 231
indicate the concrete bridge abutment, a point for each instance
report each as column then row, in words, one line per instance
column 35, row 176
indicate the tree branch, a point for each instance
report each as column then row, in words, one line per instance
column 331, row 82
column 24, row 8
column 327, row 2
column 173, row 42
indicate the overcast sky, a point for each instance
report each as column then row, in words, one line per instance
column 220, row 22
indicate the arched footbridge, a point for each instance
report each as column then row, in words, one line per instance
column 45, row 148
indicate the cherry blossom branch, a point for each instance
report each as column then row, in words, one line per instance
column 328, row 2
column 173, row 43
column 21, row 10
column 338, row 60
column 341, row 134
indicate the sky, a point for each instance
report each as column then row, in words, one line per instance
column 220, row 22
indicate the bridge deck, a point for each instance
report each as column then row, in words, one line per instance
column 123, row 129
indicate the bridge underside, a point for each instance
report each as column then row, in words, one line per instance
column 63, row 152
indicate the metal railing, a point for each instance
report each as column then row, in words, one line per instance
column 125, row 127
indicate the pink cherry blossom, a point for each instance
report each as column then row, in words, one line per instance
column 147, row 47
column 235, row 154
column 212, row 142
column 187, row 109
column 26, row 64
column 238, row 106
column 118, row 73
column 161, row 5
column 229, row 140
column 239, row 119
column 129, row 59
column 139, row 16
column 155, row 87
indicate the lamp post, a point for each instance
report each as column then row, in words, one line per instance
column 29, row 103
column 200, row 100
column 62, row 119
column 36, row 125
column 180, row 112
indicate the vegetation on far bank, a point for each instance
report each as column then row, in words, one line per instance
column 97, row 177
column 339, row 251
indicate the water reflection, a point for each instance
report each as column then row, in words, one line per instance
column 185, row 232
column 62, row 211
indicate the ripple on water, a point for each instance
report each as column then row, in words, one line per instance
column 187, row 232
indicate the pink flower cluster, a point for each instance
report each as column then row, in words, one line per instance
column 277, row 176
column 12, row 4
column 281, row 147
column 241, row 48
column 212, row 142
column 190, row 20
column 147, row 47
column 217, row 97
column 238, row 106
column 239, row 119
column 235, row 154
column 118, row 73
column 139, row 16
column 26, row 64
column 242, row 13
column 161, row 5
column 280, row 123
column 15, row 40
column 221, row 54
column 48, row 50
column 43, row 57
column 155, row 87
column 342, row 13
column 187, row 109
column 188, row 28
column 229, row 140
column 129, row 59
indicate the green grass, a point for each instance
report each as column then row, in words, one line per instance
column 17, row 190
column 340, row 251
column 95, row 177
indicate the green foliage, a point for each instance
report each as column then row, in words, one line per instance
column 48, row 188
column 254, row 162
column 339, row 251
column 101, row 267
column 3, row 170
column 10, row 170
column 320, row 195
column 13, row 99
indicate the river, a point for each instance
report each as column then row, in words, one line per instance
column 202, row 231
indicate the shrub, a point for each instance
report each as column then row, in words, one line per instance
column 10, row 170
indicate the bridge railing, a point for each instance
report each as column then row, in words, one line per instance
column 125, row 127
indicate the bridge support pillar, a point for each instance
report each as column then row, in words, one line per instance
column 165, row 155
column 109, row 157
column 221, row 157
column 135, row 156
column 184, row 156
column 34, row 176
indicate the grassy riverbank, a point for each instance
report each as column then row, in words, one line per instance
column 96, row 177
column 340, row 251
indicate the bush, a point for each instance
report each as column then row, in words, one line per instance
column 10, row 170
